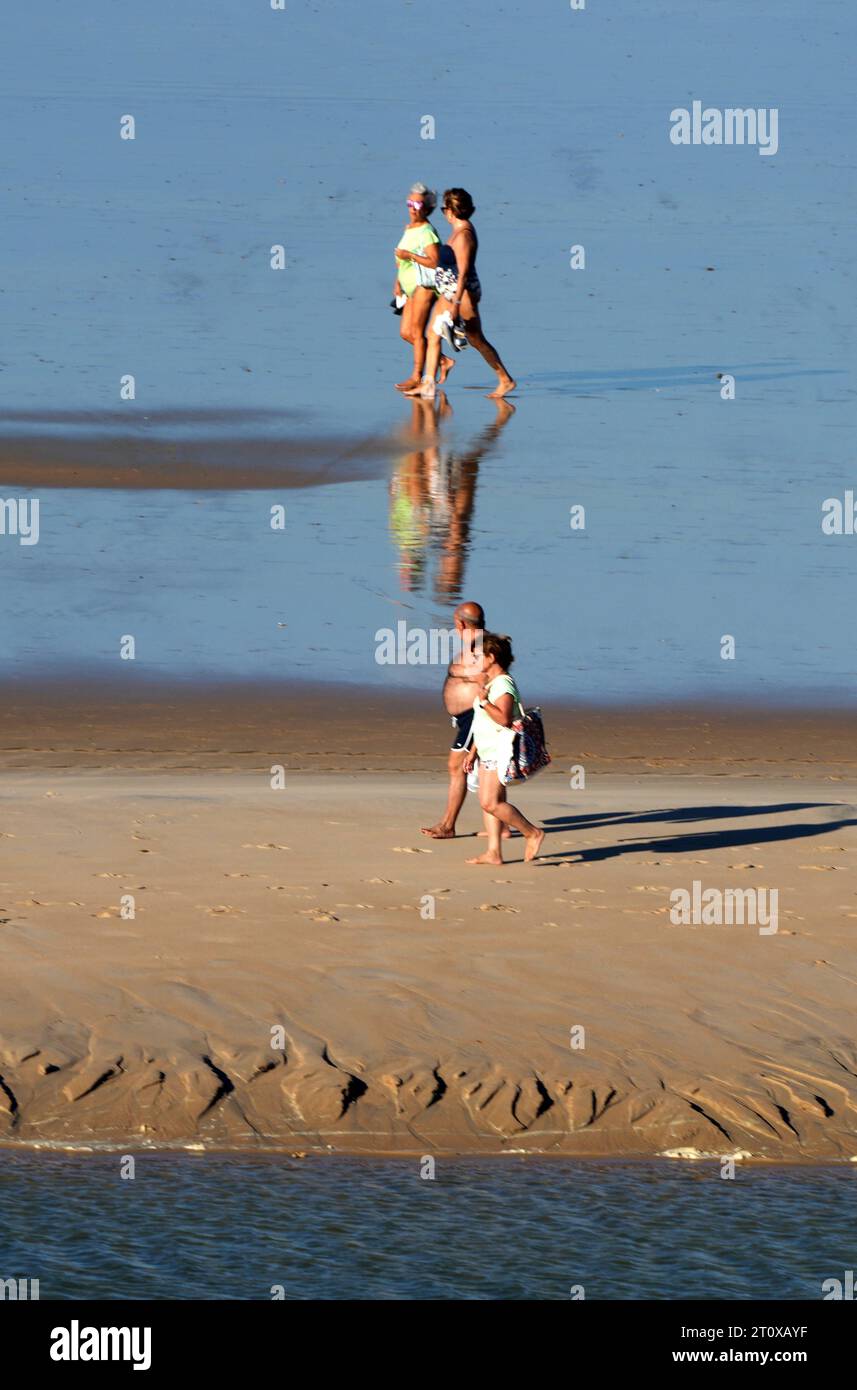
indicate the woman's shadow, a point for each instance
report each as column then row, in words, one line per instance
column 728, row 837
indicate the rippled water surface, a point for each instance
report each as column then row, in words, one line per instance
column 226, row 1227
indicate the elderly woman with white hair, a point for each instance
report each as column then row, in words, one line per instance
column 416, row 259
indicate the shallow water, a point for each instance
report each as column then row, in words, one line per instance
column 218, row 1227
column 302, row 128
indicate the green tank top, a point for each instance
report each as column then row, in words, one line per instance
column 415, row 239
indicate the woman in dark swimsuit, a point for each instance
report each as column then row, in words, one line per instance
column 459, row 292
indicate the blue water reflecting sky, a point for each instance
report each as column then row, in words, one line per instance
column 302, row 128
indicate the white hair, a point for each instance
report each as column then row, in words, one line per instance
column 428, row 196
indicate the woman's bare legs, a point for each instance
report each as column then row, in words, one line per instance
column 413, row 330
column 426, row 387
column 477, row 339
column 493, row 854
column 499, row 812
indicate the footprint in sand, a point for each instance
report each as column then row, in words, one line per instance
column 380, row 880
column 236, row 875
column 268, row 846
column 221, row 910
column 820, row 868
column 745, row 866
column 107, row 875
column 497, row 907
column 407, row 849
column 318, row 914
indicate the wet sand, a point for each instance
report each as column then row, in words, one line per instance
column 181, row 450
column 130, row 723
column 308, row 909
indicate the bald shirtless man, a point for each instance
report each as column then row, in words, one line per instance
column 464, row 681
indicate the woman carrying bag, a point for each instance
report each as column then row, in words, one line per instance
column 494, row 717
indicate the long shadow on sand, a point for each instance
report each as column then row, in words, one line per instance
column 592, row 820
column 705, row 840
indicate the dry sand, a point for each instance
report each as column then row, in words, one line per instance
column 307, row 909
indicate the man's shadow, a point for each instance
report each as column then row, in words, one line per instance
column 733, row 837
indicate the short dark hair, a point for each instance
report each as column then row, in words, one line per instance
column 499, row 648
column 459, row 202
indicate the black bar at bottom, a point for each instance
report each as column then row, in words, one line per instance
column 61, row 1337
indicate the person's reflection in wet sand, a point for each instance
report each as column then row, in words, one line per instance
column 432, row 494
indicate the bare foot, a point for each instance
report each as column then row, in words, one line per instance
column 408, row 385
column 504, row 386
column 485, row 858
column 439, row 831
column 534, row 844
column 504, row 834
column 424, row 388
column 446, row 366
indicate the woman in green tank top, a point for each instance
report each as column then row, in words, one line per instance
column 416, row 259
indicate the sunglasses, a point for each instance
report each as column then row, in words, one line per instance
column 413, row 204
